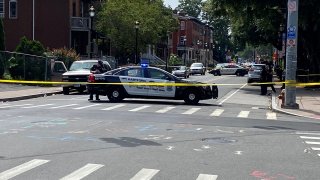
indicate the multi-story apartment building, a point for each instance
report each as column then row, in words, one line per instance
column 55, row 23
column 192, row 41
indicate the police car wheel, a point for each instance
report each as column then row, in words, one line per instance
column 115, row 95
column 191, row 97
column 66, row 90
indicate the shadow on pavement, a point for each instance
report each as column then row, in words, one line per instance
column 272, row 128
column 130, row 142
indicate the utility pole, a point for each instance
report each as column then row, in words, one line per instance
column 291, row 54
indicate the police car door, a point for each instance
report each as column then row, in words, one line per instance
column 134, row 75
column 161, row 90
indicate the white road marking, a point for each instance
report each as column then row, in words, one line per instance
column 315, row 149
column 191, row 111
column 318, row 154
column 8, row 174
column 68, row 105
column 243, row 114
column 207, row 177
column 113, row 107
column 271, row 116
column 217, row 112
column 308, row 137
column 43, row 105
column 84, row 107
column 232, row 94
column 205, row 147
column 238, row 153
column 164, row 110
column 311, row 142
column 145, row 174
column 198, row 150
column 8, row 106
column 307, row 133
column 82, row 172
column 255, row 108
column 170, row 148
column 198, row 129
column 139, row 108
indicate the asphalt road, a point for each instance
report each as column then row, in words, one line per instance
column 235, row 137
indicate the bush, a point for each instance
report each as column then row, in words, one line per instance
column 30, row 47
column 66, row 55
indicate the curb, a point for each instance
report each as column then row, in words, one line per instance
column 29, row 96
column 275, row 108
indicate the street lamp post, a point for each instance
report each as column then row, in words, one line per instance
column 136, row 26
column 185, row 49
column 206, row 55
column 91, row 14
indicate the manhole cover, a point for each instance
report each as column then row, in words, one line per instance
column 219, row 140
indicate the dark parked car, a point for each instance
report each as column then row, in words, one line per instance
column 135, row 74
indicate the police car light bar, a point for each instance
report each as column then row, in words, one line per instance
column 144, row 63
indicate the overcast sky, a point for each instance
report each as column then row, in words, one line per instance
column 172, row 3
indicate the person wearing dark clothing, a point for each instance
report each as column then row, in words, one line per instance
column 263, row 79
column 95, row 70
column 270, row 79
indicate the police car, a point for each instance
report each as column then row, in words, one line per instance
column 116, row 85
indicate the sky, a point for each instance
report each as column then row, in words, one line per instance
column 172, row 3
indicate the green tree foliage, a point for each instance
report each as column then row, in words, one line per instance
column 191, row 7
column 117, row 18
column 30, row 47
column 257, row 22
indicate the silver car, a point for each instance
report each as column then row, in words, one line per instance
column 181, row 71
column 197, row 68
column 254, row 73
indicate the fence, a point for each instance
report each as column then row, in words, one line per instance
column 21, row 66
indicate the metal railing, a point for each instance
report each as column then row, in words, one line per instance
column 19, row 66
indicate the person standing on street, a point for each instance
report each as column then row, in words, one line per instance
column 270, row 79
column 95, row 70
column 263, row 79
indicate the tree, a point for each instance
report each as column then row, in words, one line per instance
column 257, row 22
column 191, row 7
column 117, row 18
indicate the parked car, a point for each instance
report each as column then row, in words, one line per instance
column 79, row 72
column 254, row 73
column 135, row 74
column 197, row 68
column 228, row 69
column 181, row 71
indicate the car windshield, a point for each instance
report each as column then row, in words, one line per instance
column 258, row 67
column 197, row 65
column 76, row 66
column 182, row 68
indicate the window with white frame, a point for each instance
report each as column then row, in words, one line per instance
column 1, row 8
column 13, row 9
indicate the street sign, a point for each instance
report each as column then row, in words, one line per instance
column 292, row 6
column 291, row 42
column 291, row 32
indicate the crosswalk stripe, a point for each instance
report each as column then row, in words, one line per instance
column 8, row 106
column 8, row 174
column 145, row 174
column 113, row 107
column 307, row 133
column 307, row 137
column 164, row 110
column 207, row 177
column 57, row 107
column 318, row 154
column 139, row 108
column 84, row 107
column 271, row 116
column 82, row 172
column 217, row 112
column 243, row 114
column 315, row 149
column 43, row 105
column 312, row 142
column 191, row 111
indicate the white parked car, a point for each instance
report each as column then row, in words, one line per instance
column 197, row 68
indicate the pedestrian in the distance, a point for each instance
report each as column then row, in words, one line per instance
column 95, row 70
column 263, row 80
column 270, row 79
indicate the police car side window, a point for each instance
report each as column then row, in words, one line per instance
column 131, row 73
column 156, row 74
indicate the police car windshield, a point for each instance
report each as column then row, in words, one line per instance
column 76, row 66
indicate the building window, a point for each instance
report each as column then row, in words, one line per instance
column 13, row 9
column 182, row 25
column 1, row 8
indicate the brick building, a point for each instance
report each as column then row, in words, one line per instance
column 55, row 23
column 192, row 41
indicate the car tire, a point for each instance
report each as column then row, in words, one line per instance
column 81, row 90
column 65, row 90
column 115, row 95
column 238, row 74
column 249, row 81
column 191, row 97
column 215, row 73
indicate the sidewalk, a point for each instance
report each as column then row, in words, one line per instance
column 16, row 92
column 308, row 100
